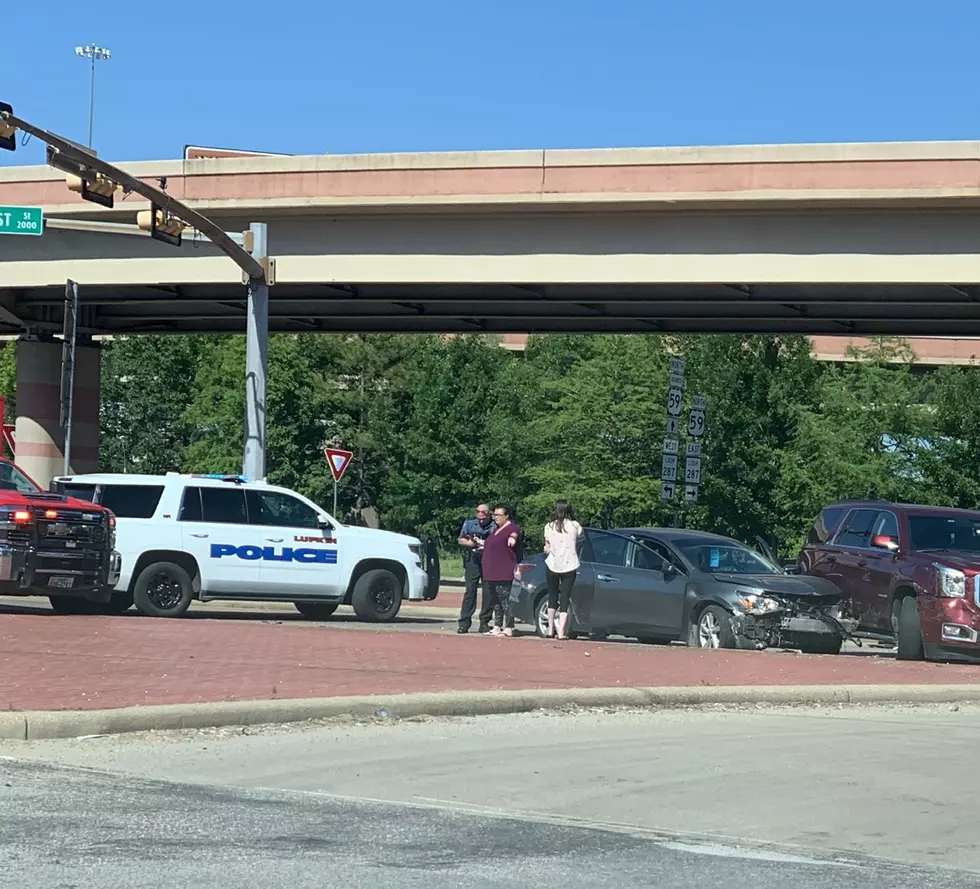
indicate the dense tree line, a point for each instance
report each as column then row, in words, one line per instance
column 439, row 424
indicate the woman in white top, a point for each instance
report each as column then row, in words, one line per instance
column 561, row 538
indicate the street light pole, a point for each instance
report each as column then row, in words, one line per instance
column 95, row 54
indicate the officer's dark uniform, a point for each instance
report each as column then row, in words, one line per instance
column 473, row 574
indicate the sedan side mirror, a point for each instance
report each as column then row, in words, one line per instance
column 883, row 541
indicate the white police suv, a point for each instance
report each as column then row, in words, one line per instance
column 186, row 537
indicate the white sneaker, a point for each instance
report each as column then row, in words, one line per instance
column 496, row 631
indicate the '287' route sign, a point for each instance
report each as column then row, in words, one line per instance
column 21, row 221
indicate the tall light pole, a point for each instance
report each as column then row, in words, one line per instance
column 96, row 54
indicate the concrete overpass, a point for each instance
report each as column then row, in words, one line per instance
column 822, row 239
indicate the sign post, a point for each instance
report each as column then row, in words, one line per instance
column 675, row 400
column 21, row 221
column 338, row 460
column 696, row 426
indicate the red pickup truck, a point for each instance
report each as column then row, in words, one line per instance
column 55, row 546
column 908, row 573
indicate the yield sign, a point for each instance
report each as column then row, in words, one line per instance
column 338, row 461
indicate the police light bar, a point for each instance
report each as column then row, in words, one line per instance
column 238, row 479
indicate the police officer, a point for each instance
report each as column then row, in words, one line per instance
column 471, row 537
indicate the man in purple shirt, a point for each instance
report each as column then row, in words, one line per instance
column 500, row 555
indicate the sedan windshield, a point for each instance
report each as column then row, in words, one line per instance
column 727, row 559
column 939, row 532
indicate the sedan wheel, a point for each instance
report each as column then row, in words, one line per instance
column 714, row 629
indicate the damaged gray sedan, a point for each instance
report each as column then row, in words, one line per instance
column 664, row 585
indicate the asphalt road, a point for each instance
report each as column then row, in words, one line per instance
column 766, row 797
column 72, row 828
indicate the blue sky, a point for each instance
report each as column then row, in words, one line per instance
column 301, row 77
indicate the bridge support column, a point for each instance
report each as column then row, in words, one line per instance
column 40, row 439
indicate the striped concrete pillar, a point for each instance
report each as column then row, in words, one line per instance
column 40, row 439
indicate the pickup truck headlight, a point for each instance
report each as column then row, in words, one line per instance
column 753, row 603
column 950, row 582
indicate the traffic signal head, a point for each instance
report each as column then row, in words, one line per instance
column 8, row 133
column 93, row 187
column 90, row 185
column 161, row 225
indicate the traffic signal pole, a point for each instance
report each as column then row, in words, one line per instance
column 256, row 361
column 252, row 258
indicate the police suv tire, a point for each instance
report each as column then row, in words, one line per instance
column 377, row 596
column 315, row 610
column 180, row 596
column 909, row 631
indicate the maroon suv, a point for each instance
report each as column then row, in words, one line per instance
column 907, row 572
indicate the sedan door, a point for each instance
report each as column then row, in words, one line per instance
column 623, row 593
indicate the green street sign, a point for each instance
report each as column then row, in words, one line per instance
column 21, row 221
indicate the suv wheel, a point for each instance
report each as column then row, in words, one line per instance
column 377, row 596
column 910, row 631
column 163, row 589
column 315, row 610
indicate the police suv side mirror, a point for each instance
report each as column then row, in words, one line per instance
column 324, row 522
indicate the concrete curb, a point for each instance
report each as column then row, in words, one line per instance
column 38, row 724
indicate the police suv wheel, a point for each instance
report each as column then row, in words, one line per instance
column 163, row 589
column 377, row 596
column 315, row 610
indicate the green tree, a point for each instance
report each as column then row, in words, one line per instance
column 862, row 435
column 146, row 383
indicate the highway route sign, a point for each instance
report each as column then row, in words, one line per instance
column 338, row 461
column 666, row 490
column 674, row 401
column 692, row 449
column 696, row 424
column 668, row 469
column 670, row 446
column 677, row 367
column 692, row 471
column 699, row 403
column 21, row 221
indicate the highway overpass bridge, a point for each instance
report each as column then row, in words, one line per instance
column 817, row 239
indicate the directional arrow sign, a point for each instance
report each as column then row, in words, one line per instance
column 338, row 461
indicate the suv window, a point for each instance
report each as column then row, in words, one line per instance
column 224, row 506
column 82, row 492
column 856, row 530
column 886, row 526
column 608, row 549
column 276, row 508
column 824, row 526
column 935, row 532
column 132, row 501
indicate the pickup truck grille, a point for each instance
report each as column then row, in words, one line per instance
column 70, row 531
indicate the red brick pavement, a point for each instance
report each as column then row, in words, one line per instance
column 52, row 662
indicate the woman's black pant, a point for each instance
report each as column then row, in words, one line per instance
column 560, row 589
